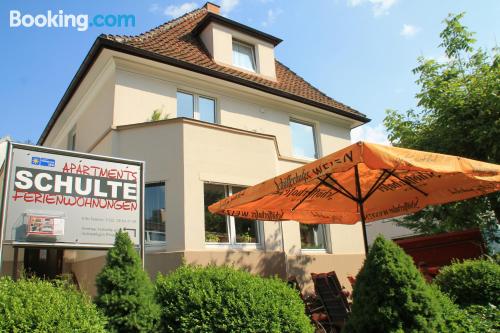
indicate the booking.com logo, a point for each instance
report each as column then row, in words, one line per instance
column 61, row 20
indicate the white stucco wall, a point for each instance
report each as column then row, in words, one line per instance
column 138, row 95
column 161, row 147
column 212, row 155
column 185, row 155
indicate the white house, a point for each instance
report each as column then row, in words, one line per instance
column 203, row 101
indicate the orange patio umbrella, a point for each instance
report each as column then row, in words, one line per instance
column 363, row 182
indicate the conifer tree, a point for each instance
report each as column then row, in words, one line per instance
column 391, row 295
column 125, row 292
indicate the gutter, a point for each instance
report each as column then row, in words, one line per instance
column 102, row 43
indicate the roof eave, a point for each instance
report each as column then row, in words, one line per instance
column 212, row 17
column 105, row 43
column 87, row 63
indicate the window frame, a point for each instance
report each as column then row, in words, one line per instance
column 196, row 105
column 151, row 243
column 313, row 125
column 326, row 241
column 72, row 139
column 231, row 226
column 253, row 56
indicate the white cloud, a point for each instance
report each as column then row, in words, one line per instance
column 354, row 3
column 379, row 7
column 154, row 8
column 368, row 133
column 176, row 11
column 227, row 6
column 409, row 30
column 272, row 14
column 441, row 58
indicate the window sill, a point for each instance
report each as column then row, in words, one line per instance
column 216, row 122
column 244, row 69
column 155, row 246
column 238, row 246
column 302, row 160
column 314, row 251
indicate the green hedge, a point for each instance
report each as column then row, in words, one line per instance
column 41, row 306
column 471, row 282
column 223, row 299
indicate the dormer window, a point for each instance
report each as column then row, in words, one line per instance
column 244, row 56
column 233, row 44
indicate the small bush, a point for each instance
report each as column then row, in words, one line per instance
column 222, row 299
column 124, row 292
column 391, row 295
column 453, row 318
column 471, row 282
column 40, row 306
column 486, row 319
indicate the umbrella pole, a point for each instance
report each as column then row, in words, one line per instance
column 360, row 206
column 284, row 250
column 363, row 223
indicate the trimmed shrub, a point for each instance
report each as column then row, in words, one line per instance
column 223, row 299
column 391, row 295
column 124, row 291
column 471, row 282
column 41, row 306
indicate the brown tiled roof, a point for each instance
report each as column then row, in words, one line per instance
column 174, row 39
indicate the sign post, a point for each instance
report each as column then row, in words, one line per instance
column 66, row 199
column 5, row 148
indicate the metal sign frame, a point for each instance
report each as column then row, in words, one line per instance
column 5, row 193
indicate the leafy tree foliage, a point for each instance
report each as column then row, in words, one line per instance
column 458, row 114
column 125, row 293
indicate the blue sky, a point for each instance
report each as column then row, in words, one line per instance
column 359, row 52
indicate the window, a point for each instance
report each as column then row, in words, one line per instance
column 72, row 139
column 195, row 106
column 185, row 105
column 303, row 140
column 154, row 212
column 227, row 229
column 244, row 56
column 312, row 236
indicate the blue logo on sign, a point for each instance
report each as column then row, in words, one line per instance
column 41, row 161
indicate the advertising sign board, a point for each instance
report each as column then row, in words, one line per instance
column 68, row 199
